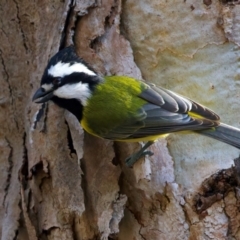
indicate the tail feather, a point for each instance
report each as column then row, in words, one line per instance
column 224, row 133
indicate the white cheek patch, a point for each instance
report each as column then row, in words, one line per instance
column 78, row 91
column 47, row 87
column 62, row 69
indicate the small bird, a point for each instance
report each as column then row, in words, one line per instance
column 125, row 109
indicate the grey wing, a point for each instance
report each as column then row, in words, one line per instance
column 174, row 102
column 164, row 112
column 160, row 121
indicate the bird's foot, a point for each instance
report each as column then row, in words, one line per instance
column 136, row 156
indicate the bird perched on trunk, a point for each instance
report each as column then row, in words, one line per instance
column 125, row 109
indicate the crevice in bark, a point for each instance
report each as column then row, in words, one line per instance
column 110, row 18
column 47, row 232
column 10, row 166
column 25, row 223
column 215, row 188
column 207, row 2
column 20, row 26
column 94, row 43
column 115, row 160
column 230, row 2
column 68, row 26
column 24, row 168
column 74, row 228
column 141, row 233
column 7, row 75
column 16, row 235
column 70, row 141
column 84, row 182
column 9, row 85
column 19, row 220
column 37, row 167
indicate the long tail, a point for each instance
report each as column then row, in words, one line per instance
column 224, row 133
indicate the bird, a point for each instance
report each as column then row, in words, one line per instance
column 122, row 108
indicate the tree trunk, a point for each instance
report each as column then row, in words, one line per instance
column 58, row 182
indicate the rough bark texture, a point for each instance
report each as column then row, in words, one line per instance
column 58, row 182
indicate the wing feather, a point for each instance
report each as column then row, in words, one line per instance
column 164, row 112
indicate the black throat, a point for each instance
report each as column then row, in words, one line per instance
column 72, row 105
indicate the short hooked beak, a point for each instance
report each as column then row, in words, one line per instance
column 41, row 95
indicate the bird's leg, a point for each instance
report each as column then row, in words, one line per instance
column 141, row 153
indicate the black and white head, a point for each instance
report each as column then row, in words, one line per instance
column 68, row 81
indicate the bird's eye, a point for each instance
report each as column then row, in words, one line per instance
column 56, row 81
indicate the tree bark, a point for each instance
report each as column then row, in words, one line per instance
column 58, row 182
